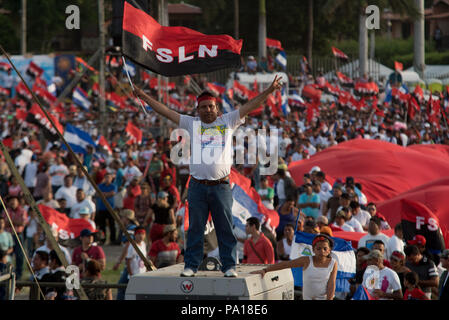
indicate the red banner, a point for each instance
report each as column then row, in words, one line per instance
column 67, row 228
column 173, row 51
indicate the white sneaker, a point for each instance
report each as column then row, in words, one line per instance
column 188, row 273
column 231, row 273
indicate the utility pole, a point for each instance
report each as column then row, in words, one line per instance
column 419, row 42
column 163, row 21
column 262, row 30
column 236, row 19
column 101, row 80
column 23, row 39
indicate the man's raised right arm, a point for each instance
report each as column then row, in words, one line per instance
column 160, row 108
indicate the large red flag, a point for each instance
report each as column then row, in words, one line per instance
column 67, row 228
column 173, row 51
column 134, row 133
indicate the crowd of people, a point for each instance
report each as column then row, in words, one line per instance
column 147, row 189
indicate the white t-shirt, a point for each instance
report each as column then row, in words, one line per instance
column 64, row 250
column 86, row 203
column 368, row 240
column 69, row 194
column 296, row 156
column 211, row 144
column 387, row 281
column 363, row 217
column 131, row 172
column 345, row 227
column 394, row 244
column 280, row 190
column 355, row 224
column 136, row 264
column 61, row 171
column 30, row 174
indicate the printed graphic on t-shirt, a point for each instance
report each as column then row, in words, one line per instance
column 213, row 137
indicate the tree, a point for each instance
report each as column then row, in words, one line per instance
column 262, row 52
column 310, row 32
column 404, row 7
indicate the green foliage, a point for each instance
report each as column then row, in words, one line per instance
column 8, row 37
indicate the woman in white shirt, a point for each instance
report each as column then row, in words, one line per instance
column 319, row 270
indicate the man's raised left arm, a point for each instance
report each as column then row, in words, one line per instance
column 255, row 103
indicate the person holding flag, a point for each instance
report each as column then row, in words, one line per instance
column 209, row 188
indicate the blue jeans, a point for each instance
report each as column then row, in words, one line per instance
column 218, row 200
column 123, row 279
column 19, row 255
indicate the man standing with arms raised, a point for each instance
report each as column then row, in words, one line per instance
column 209, row 188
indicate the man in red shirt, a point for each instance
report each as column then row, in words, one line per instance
column 19, row 218
column 174, row 199
column 83, row 254
column 258, row 249
column 165, row 252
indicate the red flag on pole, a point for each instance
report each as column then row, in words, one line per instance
column 134, row 133
column 339, row 54
column 273, row 43
column 398, row 66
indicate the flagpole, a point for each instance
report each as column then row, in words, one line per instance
column 148, row 264
column 40, row 219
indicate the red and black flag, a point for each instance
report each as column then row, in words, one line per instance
column 36, row 116
column 5, row 66
column 22, row 92
column 4, row 92
column 173, row 51
column 417, row 218
column 34, row 70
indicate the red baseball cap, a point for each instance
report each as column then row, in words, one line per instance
column 418, row 239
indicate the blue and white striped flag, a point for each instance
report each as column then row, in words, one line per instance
column 227, row 105
column 342, row 252
column 281, row 59
column 80, row 98
column 78, row 139
column 285, row 106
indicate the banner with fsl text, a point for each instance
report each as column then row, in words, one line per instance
column 172, row 51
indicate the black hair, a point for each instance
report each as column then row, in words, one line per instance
column 321, row 174
column 398, row 227
column 205, row 94
column 412, row 278
column 281, row 172
column 365, row 250
column 358, row 185
column 371, row 204
column 354, row 205
column 379, row 242
column 54, row 257
column 289, row 225
column 43, row 255
column 411, row 250
column 253, row 221
column 330, row 241
column 346, row 196
column 376, row 220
